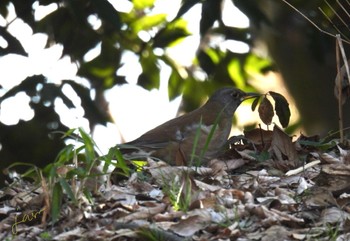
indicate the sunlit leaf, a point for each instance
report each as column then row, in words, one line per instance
column 235, row 72
column 105, row 72
column 148, row 21
column 169, row 37
column 257, row 65
column 142, row 4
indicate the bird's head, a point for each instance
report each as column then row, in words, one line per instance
column 230, row 98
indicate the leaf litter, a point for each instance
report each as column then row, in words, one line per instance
column 267, row 186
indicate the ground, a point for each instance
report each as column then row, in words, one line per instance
column 266, row 187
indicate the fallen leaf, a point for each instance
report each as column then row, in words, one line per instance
column 189, row 226
column 259, row 136
column 282, row 145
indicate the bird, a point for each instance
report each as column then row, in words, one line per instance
column 195, row 137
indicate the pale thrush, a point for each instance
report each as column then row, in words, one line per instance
column 199, row 135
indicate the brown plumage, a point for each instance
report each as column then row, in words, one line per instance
column 174, row 140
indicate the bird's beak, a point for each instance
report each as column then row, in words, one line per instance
column 250, row 96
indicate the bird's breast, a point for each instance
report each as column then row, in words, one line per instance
column 191, row 130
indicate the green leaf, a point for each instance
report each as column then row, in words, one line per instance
column 208, row 60
column 142, row 4
column 67, row 188
column 89, row 146
column 320, row 145
column 89, row 196
column 148, row 21
column 195, row 143
column 176, row 80
column 120, row 161
column 281, row 108
column 175, row 84
column 150, row 77
column 257, row 65
column 66, row 154
column 114, row 153
column 236, row 73
column 57, row 196
column 103, row 68
column 169, row 37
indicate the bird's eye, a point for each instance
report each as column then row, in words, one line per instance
column 235, row 95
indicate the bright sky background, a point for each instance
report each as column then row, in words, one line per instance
column 134, row 109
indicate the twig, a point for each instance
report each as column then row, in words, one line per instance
column 345, row 60
column 303, row 168
column 310, row 21
column 345, row 11
column 331, row 22
column 335, row 12
column 339, row 81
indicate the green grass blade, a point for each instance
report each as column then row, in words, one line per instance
column 211, row 134
column 57, row 196
column 67, row 188
column 195, row 142
column 89, row 146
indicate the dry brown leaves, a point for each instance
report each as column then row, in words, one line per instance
column 267, row 187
